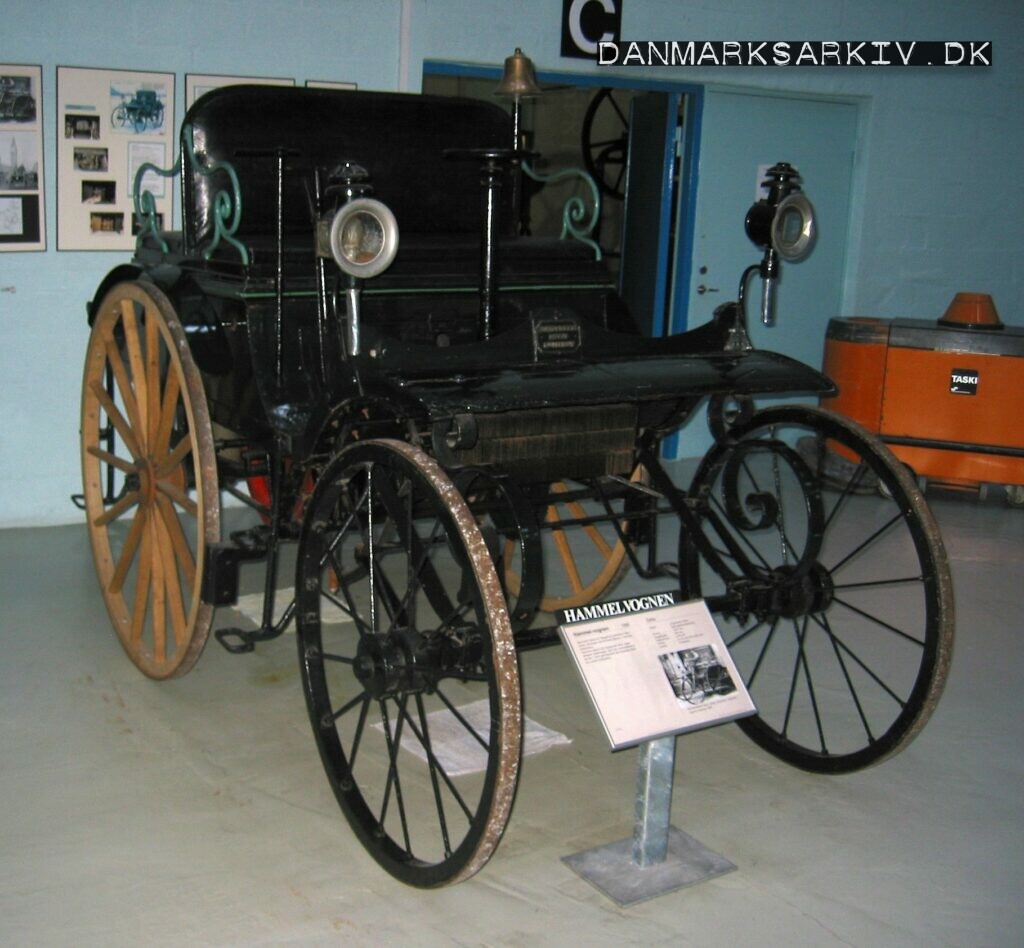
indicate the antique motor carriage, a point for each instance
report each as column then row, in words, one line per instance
column 449, row 431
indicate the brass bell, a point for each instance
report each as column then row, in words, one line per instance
column 519, row 80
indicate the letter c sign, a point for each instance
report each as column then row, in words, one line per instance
column 585, row 23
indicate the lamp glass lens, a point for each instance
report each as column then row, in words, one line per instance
column 362, row 238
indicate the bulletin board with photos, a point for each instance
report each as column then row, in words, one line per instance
column 22, row 206
column 198, row 84
column 110, row 122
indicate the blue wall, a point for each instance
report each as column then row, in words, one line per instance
column 937, row 204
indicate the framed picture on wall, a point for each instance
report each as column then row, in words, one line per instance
column 328, row 84
column 197, row 84
column 109, row 123
column 22, row 210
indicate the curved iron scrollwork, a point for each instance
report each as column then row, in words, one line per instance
column 574, row 212
column 145, row 203
column 758, row 506
column 227, row 207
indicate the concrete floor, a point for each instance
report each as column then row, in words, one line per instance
column 196, row 812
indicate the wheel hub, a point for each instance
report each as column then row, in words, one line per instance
column 147, row 477
column 794, row 595
column 147, row 480
column 391, row 664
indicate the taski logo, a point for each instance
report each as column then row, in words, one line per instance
column 963, row 381
column 587, row 23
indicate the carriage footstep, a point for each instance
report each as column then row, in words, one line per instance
column 237, row 641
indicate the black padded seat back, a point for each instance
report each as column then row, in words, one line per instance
column 399, row 139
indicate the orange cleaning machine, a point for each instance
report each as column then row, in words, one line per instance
column 947, row 396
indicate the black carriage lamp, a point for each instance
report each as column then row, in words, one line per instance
column 360, row 233
column 782, row 223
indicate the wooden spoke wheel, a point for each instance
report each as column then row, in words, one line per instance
column 408, row 663
column 841, row 619
column 583, row 562
column 150, row 478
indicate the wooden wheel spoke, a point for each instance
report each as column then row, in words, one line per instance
column 565, row 552
column 576, row 509
column 124, row 383
column 152, row 376
column 134, row 343
column 159, row 589
column 178, row 541
column 115, row 510
column 590, row 567
column 131, row 544
column 176, row 494
column 168, row 407
column 180, row 452
column 112, row 459
column 591, row 531
column 117, row 419
column 142, row 585
column 172, row 582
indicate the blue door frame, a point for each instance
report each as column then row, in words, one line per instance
column 681, row 266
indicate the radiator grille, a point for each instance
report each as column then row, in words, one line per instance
column 555, row 443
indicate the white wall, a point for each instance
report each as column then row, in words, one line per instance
column 939, row 197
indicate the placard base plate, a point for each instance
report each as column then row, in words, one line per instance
column 611, row 869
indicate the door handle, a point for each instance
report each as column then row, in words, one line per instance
column 702, row 289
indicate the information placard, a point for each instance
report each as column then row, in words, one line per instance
column 653, row 666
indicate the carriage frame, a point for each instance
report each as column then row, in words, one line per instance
column 439, row 437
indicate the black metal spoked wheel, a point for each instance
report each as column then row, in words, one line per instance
column 605, row 142
column 408, row 663
column 833, row 589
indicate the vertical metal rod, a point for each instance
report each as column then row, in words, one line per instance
column 517, row 174
column 352, row 304
column 270, row 577
column 370, row 549
column 279, row 281
column 321, row 283
column 491, row 180
column 653, row 801
column 185, row 163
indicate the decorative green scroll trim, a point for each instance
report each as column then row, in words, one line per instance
column 227, row 208
column 145, row 204
column 575, row 210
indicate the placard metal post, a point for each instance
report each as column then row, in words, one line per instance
column 653, row 801
column 658, row 858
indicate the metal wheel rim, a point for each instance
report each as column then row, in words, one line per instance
column 370, row 811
